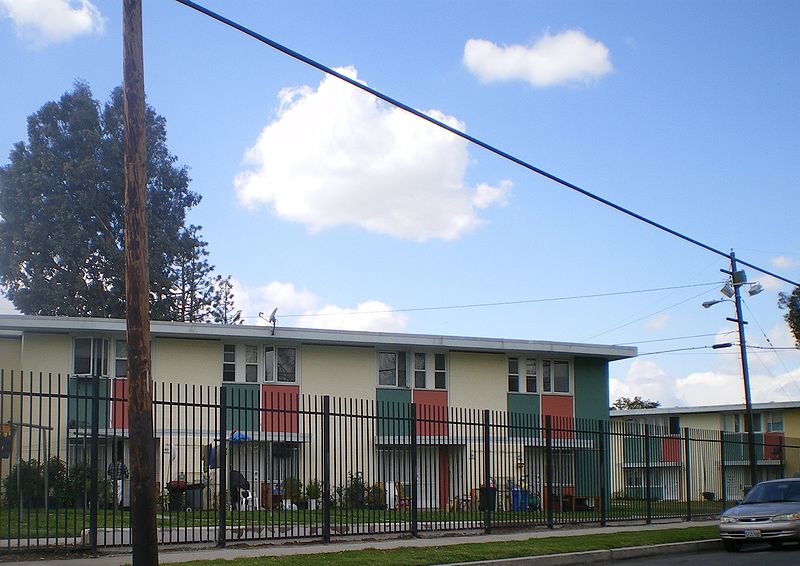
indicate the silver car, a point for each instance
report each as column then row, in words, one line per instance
column 770, row 513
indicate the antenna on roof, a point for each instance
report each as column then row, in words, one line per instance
column 271, row 320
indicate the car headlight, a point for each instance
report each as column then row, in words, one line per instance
column 787, row 517
column 725, row 520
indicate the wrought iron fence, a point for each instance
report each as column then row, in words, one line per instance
column 260, row 462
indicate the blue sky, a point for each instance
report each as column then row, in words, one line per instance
column 320, row 201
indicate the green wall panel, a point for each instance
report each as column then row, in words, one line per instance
column 523, row 415
column 591, row 388
column 394, row 411
column 79, row 405
column 243, row 403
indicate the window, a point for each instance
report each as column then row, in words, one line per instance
column 531, row 384
column 121, row 358
column 774, row 421
column 674, row 425
column 229, row 362
column 392, row 369
column 419, row 371
column 439, row 371
column 556, row 376
column 732, row 423
column 90, row 356
column 280, row 364
column 436, row 364
column 530, row 376
column 251, row 363
column 513, row 375
column 287, row 365
column 756, row 422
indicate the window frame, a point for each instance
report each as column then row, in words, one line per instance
column 400, row 374
column 430, row 370
column 270, row 371
column 93, row 359
column 550, row 363
column 523, row 377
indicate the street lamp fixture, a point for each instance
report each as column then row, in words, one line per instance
column 732, row 290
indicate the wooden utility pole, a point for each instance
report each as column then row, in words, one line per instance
column 137, row 293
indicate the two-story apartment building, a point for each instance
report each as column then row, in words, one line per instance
column 720, row 432
column 262, row 368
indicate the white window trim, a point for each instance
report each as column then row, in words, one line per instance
column 430, row 370
column 523, row 377
column 240, row 361
column 109, row 361
column 409, row 370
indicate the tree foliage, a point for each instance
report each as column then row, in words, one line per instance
column 625, row 403
column 61, row 217
column 224, row 310
column 791, row 302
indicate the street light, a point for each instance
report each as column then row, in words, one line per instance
column 732, row 290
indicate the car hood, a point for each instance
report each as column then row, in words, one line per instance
column 763, row 509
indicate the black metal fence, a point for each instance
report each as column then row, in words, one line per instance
column 259, row 462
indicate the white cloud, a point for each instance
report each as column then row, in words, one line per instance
column 563, row 58
column 336, row 156
column 370, row 315
column 657, row 322
column 784, row 262
column 645, row 379
column 52, row 21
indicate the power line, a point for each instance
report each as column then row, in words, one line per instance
column 488, row 147
column 502, row 303
column 674, row 338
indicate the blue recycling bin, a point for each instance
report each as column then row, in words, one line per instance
column 519, row 500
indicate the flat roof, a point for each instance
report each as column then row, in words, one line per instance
column 160, row 329
column 772, row 406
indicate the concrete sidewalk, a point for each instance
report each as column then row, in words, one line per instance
column 186, row 553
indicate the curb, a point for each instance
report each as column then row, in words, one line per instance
column 598, row 556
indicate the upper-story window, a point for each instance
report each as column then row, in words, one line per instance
column 120, row 358
column 392, row 369
column 430, row 370
column 252, row 363
column 522, row 375
column 556, row 376
column 280, row 364
column 90, row 356
column 773, row 421
column 531, row 375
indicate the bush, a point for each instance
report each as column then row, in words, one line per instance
column 24, row 485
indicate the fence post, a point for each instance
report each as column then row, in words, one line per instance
column 94, row 462
column 647, row 482
column 414, row 470
column 601, row 444
column 326, row 468
column 688, row 458
column 485, row 495
column 548, row 467
column 723, row 479
column 222, row 464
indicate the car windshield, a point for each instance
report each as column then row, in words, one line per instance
column 774, row 492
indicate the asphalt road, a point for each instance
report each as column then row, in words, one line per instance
column 756, row 554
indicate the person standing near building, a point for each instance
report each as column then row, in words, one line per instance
column 118, row 472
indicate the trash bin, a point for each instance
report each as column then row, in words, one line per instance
column 519, row 500
column 488, row 498
column 177, row 495
column 195, row 496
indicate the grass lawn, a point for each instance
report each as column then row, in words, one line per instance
column 31, row 523
column 411, row 556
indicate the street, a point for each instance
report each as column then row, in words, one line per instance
column 784, row 556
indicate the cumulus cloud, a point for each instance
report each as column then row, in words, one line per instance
column 370, row 315
column 52, row 21
column 647, row 380
column 335, row 156
column 564, row 58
